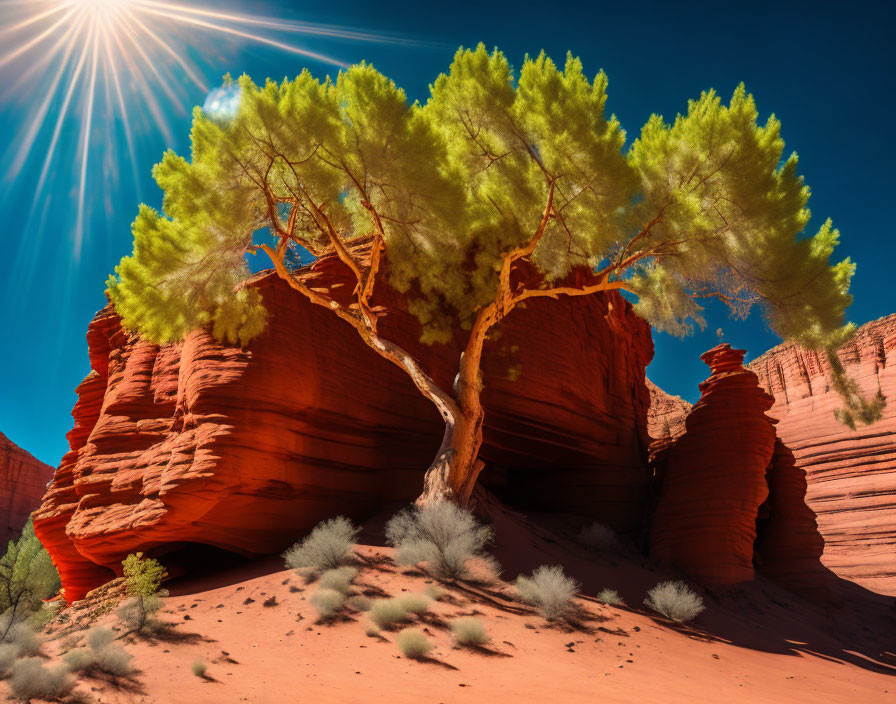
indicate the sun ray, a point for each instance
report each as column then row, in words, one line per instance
column 123, row 69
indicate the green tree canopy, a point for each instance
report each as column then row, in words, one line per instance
column 496, row 172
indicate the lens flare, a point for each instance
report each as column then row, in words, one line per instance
column 91, row 69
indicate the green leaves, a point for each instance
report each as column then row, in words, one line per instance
column 457, row 183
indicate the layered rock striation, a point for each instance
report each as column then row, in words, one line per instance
column 731, row 499
column 851, row 475
column 244, row 450
column 23, row 481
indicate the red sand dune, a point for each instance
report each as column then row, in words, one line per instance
column 752, row 644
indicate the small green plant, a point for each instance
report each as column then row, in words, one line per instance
column 327, row 602
column 387, row 613
column 610, row 597
column 414, row 603
column 548, row 590
column 143, row 578
column 27, row 577
column 442, row 535
column 675, row 600
column 199, row 668
column 340, row 579
column 413, row 643
column 469, row 630
column 330, row 545
column 31, row 679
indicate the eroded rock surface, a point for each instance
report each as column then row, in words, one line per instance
column 245, row 450
column 712, row 478
column 851, row 474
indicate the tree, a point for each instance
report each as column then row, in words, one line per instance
column 143, row 577
column 27, row 577
column 498, row 190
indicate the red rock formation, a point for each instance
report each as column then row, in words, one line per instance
column 713, row 482
column 851, row 474
column 23, row 480
column 247, row 449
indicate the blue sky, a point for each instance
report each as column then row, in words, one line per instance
column 825, row 69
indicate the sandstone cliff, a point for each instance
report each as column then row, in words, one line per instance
column 244, row 450
column 23, row 481
column 851, row 474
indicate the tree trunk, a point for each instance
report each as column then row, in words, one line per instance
column 453, row 473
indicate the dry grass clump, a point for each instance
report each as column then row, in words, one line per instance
column 31, row 679
column 442, row 535
column 371, row 631
column 24, row 638
column 339, row 579
column 198, row 668
column 548, row 590
column 610, row 597
column 469, row 631
column 435, row 592
column 8, row 655
column 414, row 603
column 675, row 600
column 138, row 614
column 413, row 643
column 327, row 602
column 599, row 537
column 100, row 655
column 388, row 613
column 360, row 603
column 330, row 545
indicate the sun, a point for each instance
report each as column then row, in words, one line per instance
column 90, row 67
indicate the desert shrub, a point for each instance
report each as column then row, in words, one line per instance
column 31, row 679
column 22, row 636
column 675, row 600
column 143, row 578
column 339, row 579
column 371, row 630
column 469, row 631
column 413, row 643
column 27, row 577
column 101, row 654
column 548, row 590
column 330, row 545
column 387, row 613
column 198, row 668
column 360, row 603
column 327, row 602
column 610, row 597
column 441, row 534
column 414, row 603
column 435, row 592
column 138, row 614
column 597, row 536
column 8, row 655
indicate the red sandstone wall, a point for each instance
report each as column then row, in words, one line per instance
column 23, row 480
column 247, row 449
column 851, row 474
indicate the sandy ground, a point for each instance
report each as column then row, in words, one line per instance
column 256, row 629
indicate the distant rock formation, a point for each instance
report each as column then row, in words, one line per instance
column 244, row 450
column 23, row 481
column 851, row 474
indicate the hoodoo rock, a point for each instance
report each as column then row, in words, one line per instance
column 712, row 479
column 851, row 474
column 732, row 499
column 184, row 446
column 23, row 481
